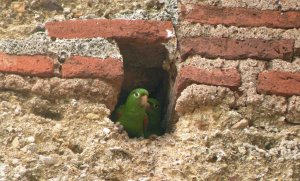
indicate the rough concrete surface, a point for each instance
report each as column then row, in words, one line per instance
column 195, row 96
column 58, row 129
column 81, row 143
column 193, row 30
column 259, row 109
column 286, row 66
column 209, row 64
column 95, row 90
column 294, row 109
column 21, row 22
column 40, row 43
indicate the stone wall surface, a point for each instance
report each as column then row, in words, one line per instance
column 228, row 73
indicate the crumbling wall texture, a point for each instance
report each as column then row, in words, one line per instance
column 234, row 72
column 248, row 47
column 82, row 49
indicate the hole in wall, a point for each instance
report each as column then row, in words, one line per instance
column 48, row 114
column 143, row 68
column 45, row 109
column 75, row 148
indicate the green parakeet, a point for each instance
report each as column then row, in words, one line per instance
column 132, row 115
column 154, row 118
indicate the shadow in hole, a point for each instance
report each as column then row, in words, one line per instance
column 143, row 69
column 48, row 114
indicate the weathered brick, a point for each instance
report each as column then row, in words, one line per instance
column 36, row 65
column 219, row 77
column 279, row 83
column 88, row 67
column 241, row 17
column 139, row 30
column 212, row 47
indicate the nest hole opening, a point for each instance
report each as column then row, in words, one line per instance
column 143, row 68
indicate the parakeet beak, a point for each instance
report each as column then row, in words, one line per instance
column 144, row 101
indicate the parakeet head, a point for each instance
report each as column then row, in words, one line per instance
column 154, row 105
column 138, row 97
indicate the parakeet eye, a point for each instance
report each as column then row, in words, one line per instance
column 155, row 106
column 136, row 94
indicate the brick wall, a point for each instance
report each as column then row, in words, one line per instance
column 254, row 52
column 250, row 50
column 80, row 50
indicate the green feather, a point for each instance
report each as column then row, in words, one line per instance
column 154, row 118
column 133, row 113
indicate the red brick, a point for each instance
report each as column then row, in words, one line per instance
column 241, row 17
column 89, row 67
column 36, row 65
column 279, row 83
column 212, row 47
column 140, row 30
column 219, row 77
